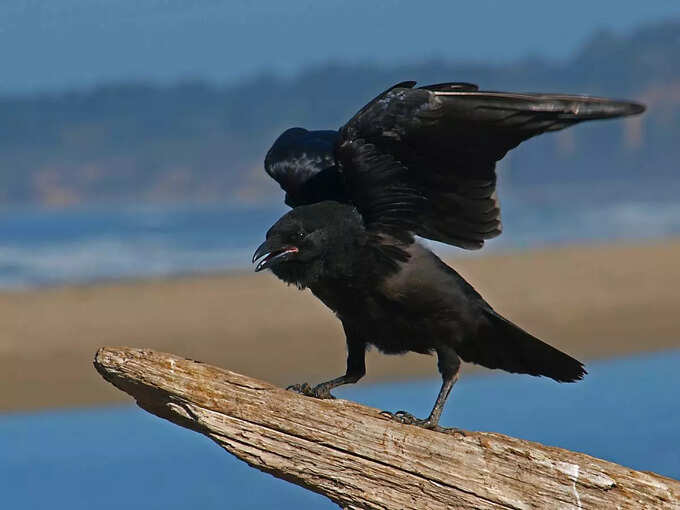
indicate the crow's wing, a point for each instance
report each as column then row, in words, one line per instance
column 422, row 160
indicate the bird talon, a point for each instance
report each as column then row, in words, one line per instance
column 323, row 392
column 453, row 430
column 302, row 389
column 305, row 389
column 401, row 417
column 407, row 418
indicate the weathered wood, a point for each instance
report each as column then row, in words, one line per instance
column 360, row 459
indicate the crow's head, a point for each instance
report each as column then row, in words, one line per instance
column 313, row 242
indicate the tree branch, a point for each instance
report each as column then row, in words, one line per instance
column 360, row 459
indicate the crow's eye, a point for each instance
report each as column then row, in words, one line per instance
column 300, row 235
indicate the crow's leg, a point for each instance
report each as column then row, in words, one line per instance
column 448, row 363
column 356, row 369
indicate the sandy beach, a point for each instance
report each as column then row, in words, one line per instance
column 591, row 301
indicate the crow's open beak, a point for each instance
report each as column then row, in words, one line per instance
column 271, row 255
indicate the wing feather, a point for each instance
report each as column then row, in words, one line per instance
column 442, row 143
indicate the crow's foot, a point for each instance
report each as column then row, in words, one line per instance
column 320, row 391
column 409, row 419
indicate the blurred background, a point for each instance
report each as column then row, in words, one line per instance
column 132, row 194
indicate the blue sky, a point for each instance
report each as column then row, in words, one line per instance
column 58, row 44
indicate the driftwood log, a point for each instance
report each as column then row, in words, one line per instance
column 360, row 459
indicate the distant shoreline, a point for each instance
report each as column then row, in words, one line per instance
column 591, row 301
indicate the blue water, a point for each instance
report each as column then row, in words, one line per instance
column 50, row 247
column 625, row 411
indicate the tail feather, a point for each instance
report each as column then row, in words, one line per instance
column 501, row 344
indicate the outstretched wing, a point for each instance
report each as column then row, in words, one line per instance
column 422, row 160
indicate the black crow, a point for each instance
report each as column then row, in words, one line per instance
column 413, row 161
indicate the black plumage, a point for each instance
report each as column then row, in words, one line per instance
column 413, row 162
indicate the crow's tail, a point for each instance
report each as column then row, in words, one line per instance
column 501, row 344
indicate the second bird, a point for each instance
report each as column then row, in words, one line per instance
column 412, row 162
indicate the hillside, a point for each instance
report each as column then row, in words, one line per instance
column 197, row 141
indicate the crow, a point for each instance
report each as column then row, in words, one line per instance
column 412, row 162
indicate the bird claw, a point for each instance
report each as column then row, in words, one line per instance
column 303, row 388
column 319, row 391
column 408, row 419
column 404, row 417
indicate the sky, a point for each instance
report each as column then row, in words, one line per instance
column 49, row 45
